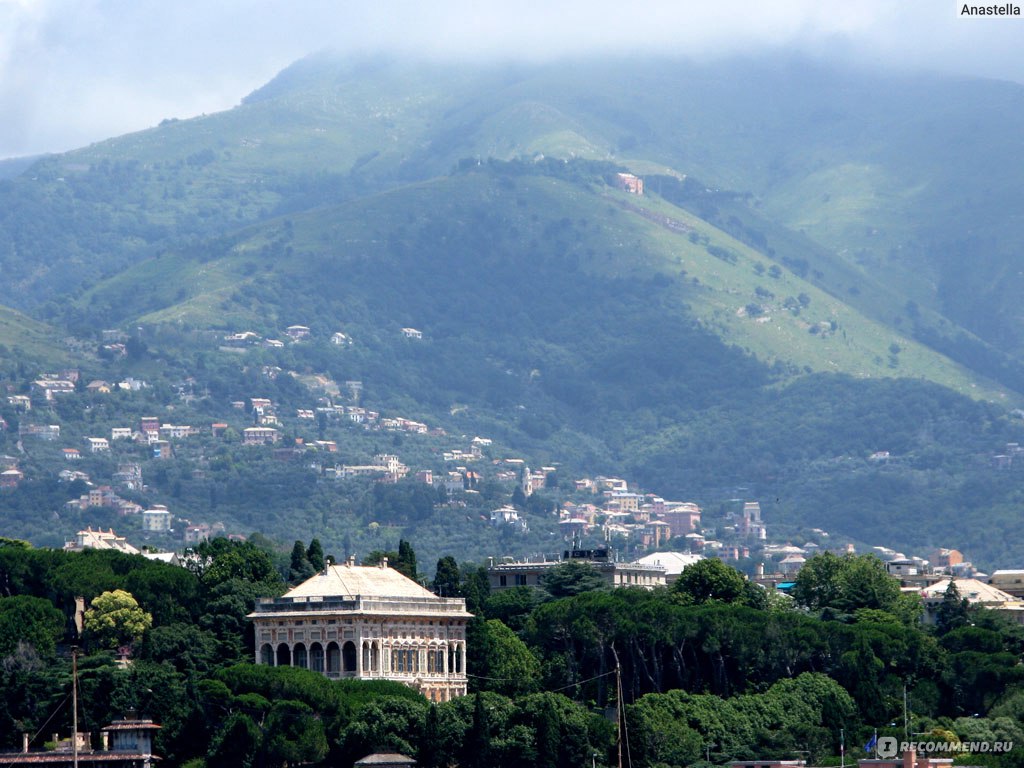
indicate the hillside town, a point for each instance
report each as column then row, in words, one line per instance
column 634, row 536
column 631, row 536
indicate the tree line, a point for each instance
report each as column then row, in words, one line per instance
column 711, row 668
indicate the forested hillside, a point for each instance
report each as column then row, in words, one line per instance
column 772, row 311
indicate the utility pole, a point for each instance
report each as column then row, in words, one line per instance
column 74, row 705
column 906, row 728
column 618, row 705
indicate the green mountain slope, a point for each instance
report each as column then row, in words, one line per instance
column 770, row 313
column 586, row 326
column 900, row 183
column 391, row 259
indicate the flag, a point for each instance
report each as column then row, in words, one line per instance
column 871, row 742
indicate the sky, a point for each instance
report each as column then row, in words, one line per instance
column 77, row 71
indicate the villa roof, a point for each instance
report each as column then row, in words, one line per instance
column 672, row 562
column 348, row 581
column 386, row 759
column 974, row 590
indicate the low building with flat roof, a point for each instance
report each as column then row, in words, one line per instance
column 530, row 573
column 1010, row 581
column 124, row 744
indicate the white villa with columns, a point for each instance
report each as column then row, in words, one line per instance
column 367, row 622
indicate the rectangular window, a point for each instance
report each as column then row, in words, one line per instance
column 503, row 580
column 520, row 580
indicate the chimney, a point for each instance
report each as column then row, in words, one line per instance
column 24, row 742
column 910, row 759
column 351, row 561
column 105, row 740
column 383, row 562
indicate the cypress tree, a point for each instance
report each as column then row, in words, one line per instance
column 406, row 562
column 299, row 569
column 477, row 747
column 446, row 577
column 548, row 737
column 315, row 555
column 953, row 612
column 431, row 744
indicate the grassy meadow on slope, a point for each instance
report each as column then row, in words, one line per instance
column 394, row 260
column 25, row 341
column 904, row 179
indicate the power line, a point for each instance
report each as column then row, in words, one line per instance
column 553, row 690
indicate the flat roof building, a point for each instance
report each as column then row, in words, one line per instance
column 530, row 573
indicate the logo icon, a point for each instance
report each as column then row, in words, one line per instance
column 887, row 747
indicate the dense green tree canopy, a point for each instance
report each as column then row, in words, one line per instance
column 571, row 578
column 710, row 580
column 718, row 677
column 849, row 583
column 219, row 560
column 30, row 620
column 501, row 661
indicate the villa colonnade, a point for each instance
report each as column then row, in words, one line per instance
column 384, row 658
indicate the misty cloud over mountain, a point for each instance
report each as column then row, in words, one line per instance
column 73, row 73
